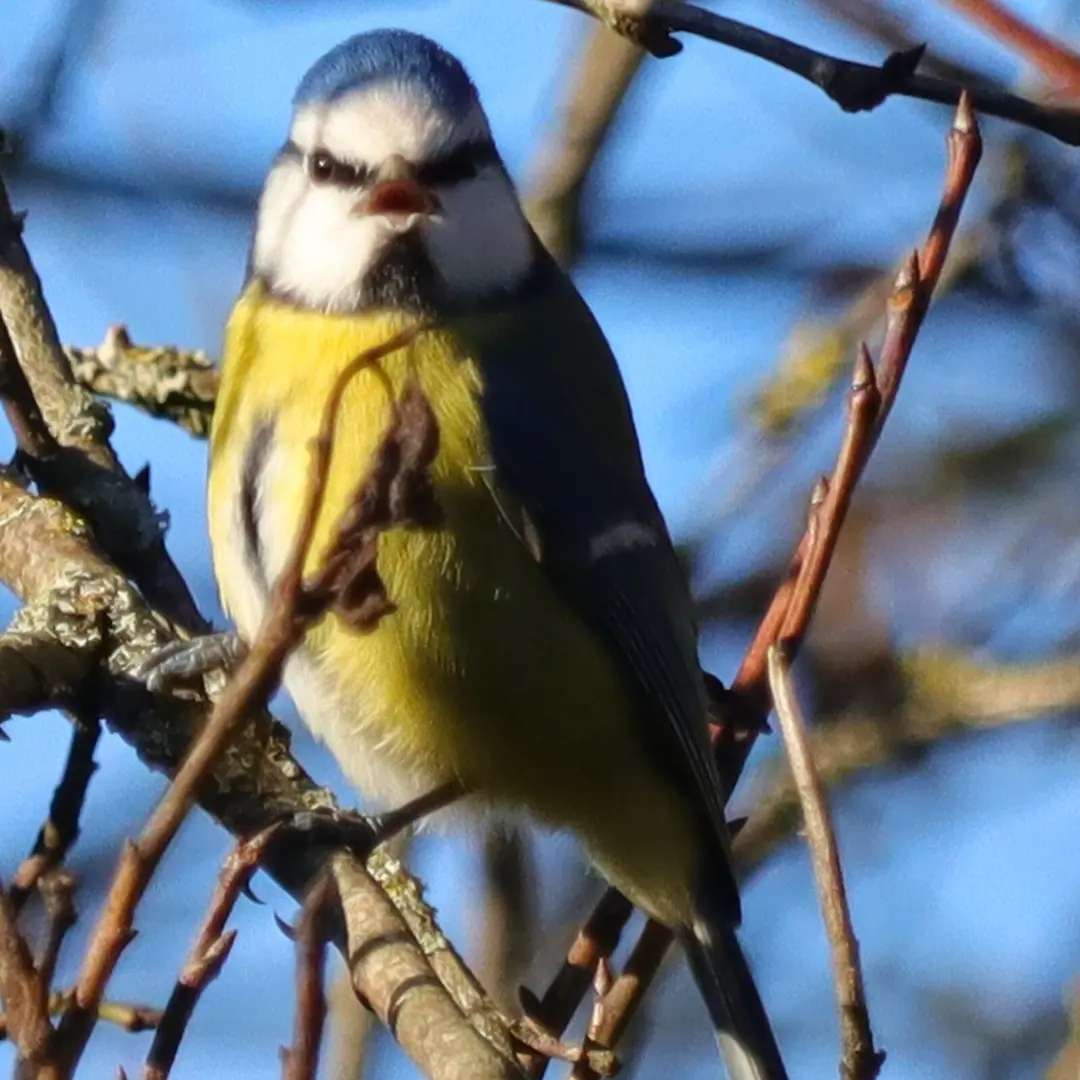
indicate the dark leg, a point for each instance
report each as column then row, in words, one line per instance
column 182, row 661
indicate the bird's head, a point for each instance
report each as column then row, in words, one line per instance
column 389, row 191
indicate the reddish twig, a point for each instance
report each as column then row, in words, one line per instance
column 209, row 952
column 285, row 619
column 61, row 828
column 792, row 607
column 861, row 1061
column 1059, row 63
column 301, row 1060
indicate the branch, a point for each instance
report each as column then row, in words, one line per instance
column 66, row 447
column 853, row 86
column 130, row 1018
column 207, row 956
column 301, row 1060
column 390, row 973
column 593, row 96
column 109, row 632
column 946, row 696
column 860, row 1060
column 173, row 384
column 1055, row 60
column 25, row 996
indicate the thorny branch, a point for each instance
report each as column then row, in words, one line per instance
column 788, row 616
column 860, row 1060
column 853, row 86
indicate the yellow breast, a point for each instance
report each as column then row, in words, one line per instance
column 483, row 672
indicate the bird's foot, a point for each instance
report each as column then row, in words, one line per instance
column 182, row 661
column 363, row 833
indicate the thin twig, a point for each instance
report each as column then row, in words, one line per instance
column 131, row 1018
column 25, row 996
column 595, row 941
column 57, row 888
column 250, row 685
column 853, row 86
column 616, row 1006
column 301, row 1060
column 595, row 91
column 208, row 954
column 861, row 1061
column 61, row 828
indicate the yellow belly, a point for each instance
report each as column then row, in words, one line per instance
column 483, row 672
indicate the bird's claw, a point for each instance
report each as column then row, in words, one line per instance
column 182, row 661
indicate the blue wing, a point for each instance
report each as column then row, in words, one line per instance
column 569, row 479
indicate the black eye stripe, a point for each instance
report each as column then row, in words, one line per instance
column 462, row 163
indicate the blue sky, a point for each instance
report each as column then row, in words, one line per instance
column 955, row 870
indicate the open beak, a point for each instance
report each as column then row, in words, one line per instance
column 397, row 195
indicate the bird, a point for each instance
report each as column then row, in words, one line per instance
column 538, row 645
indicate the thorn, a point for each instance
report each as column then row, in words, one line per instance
column 249, row 892
column 864, row 376
column 4, row 736
column 820, row 492
column 736, row 825
column 286, row 928
column 142, row 479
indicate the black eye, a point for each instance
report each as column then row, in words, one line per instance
column 324, row 168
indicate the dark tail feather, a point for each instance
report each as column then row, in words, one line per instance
column 742, row 1027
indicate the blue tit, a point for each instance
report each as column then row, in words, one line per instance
column 543, row 650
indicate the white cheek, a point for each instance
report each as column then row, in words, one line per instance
column 481, row 241
column 310, row 242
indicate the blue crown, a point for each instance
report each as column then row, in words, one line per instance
column 396, row 56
